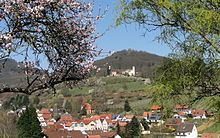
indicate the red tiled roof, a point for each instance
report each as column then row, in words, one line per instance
column 44, row 111
column 87, row 106
column 109, row 121
column 156, row 107
column 197, row 112
column 96, row 117
column 181, row 113
column 147, row 114
column 94, row 136
column 129, row 116
column 210, row 135
column 66, row 118
column 122, row 123
column 68, row 124
column 84, row 121
column 106, row 115
column 46, row 116
column 181, row 107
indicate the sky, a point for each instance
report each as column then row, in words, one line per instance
column 125, row 36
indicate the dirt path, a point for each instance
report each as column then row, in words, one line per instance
column 206, row 125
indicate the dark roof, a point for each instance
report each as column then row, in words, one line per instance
column 94, row 132
column 108, row 134
column 185, row 127
column 65, row 133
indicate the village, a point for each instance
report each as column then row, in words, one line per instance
column 91, row 125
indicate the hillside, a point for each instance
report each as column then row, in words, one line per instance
column 144, row 62
column 10, row 74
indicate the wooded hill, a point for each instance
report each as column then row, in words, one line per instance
column 144, row 62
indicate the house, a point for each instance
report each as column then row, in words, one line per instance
column 198, row 114
column 118, row 118
column 83, row 125
column 147, row 114
column 65, row 118
column 64, row 134
column 156, row 108
column 186, row 130
column 129, row 72
column 173, row 123
column 128, row 118
column 153, row 119
column 180, row 114
column 88, row 107
column 184, row 109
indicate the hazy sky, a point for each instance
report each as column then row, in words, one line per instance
column 125, row 37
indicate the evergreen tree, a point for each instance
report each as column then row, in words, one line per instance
column 36, row 100
column 83, row 111
column 127, row 107
column 133, row 128
column 68, row 106
column 144, row 124
column 28, row 124
column 25, row 100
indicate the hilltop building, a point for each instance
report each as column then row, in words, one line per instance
column 129, row 72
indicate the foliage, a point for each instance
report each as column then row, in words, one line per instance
column 191, row 28
column 127, row 107
column 29, row 125
column 17, row 102
column 133, row 128
column 192, row 24
column 54, row 39
column 36, row 100
column 68, row 106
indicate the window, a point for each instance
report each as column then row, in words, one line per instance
column 81, row 125
column 76, row 124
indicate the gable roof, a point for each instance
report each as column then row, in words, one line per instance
column 108, row 134
column 129, row 116
column 185, row 127
column 65, row 134
column 156, row 107
column 198, row 112
column 46, row 116
column 181, row 107
column 147, row 114
column 181, row 113
column 87, row 106
column 94, row 132
column 87, row 121
column 68, row 124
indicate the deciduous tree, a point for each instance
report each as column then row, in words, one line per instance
column 54, row 39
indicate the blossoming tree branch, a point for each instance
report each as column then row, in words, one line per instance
column 60, row 32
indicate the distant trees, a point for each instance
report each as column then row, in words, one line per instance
column 17, row 102
column 68, row 106
column 127, row 107
column 28, row 124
